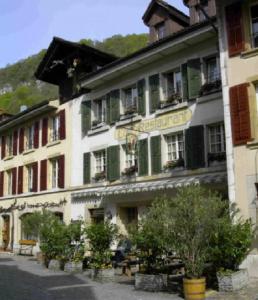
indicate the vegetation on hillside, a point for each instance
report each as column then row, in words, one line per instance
column 26, row 90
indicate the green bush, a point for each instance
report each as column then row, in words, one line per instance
column 230, row 242
column 101, row 236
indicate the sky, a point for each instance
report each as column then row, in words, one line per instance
column 28, row 26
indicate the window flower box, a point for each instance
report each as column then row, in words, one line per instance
column 210, row 87
column 172, row 99
column 130, row 110
column 130, row 171
column 217, row 157
column 100, row 176
column 172, row 164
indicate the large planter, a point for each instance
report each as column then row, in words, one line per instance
column 151, row 283
column 103, row 275
column 194, row 289
column 42, row 259
column 55, row 265
column 73, row 267
column 234, row 281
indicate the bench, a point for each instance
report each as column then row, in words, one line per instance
column 127, row 264
column 26, row 247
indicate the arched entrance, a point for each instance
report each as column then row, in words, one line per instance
column 6, row 231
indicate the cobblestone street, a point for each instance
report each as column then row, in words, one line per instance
column 21, row 278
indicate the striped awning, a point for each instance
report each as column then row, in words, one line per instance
column 149, row 186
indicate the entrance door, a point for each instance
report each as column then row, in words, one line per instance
column 6, row 232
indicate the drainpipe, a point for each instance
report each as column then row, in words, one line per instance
column 226, row 104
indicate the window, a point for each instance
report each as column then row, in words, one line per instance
column 10, row 145
column 30, row 138
column 55, row 126
column 130, row 100
column 100, row 161
column 254, row 25
column 30, row 178
column 175, row 147
column 212, row 69
column 217, row 138
column 160, row 30
column 173, row 86
column 9, row 182
column 55, row 171
column 99, row 111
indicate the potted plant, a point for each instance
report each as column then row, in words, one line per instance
column 173, row 164
column 216, row 158
column 210, row 87
column 229, row 246
column 100, row 176
column 130, row 171
column 130, row 110
column 100, row 237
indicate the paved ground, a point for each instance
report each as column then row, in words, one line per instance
column 21, row 278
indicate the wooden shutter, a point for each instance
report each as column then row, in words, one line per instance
column 61, row 171
column 114, row 106
column 20, row 180
column 240, row 115
column 3, row 146
column 86, row 168
column 62, row 127
column 184, row 82
column 143, row 165
column 1, row 183
column 113, row 163
column 43, row 175
column 36, row 135
column 154, row 92
column 235, row 29
column 194, row 77
column 35, row 177
column 141, row 97
column 86, row 116
column 108, row 109
column 44, row 131
column 14, row 180
column 15, row 140
column 21, row 140
column 194, row 144
column 155, row 154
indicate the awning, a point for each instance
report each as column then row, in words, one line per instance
column 149, row 186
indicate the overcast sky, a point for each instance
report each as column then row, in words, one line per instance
column 27, row 26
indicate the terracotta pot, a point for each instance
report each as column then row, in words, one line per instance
column 194, row 289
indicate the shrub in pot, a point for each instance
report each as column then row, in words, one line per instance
column 100, row 237
column 230, row 244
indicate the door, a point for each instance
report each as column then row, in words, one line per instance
column 6, row 232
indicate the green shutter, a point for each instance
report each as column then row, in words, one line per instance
column 194, row 77
column 194, row 146
column 86, row 116
column 141, row 97
column 113, row 163
column 114, row 106
column 155, row 154
column 86, row 168
column 143, row 157
column 184, row 81
column 154, row 92
column 108, row 109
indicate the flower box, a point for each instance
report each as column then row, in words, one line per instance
column 73, row 267
column 130, row 171
column 130, row 110
column 100, row 176
column 150, row 282
column 210, row 87
column 232, row 281
column 173, row 164
column 103, row 275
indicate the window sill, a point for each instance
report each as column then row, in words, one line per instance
column 28, row 151
column 8, row 157
column 210, row 97
column 97, row 130
column 171, row 108
column 249, row 53
column 132, row 118
column 53, row 143
column 252, row 145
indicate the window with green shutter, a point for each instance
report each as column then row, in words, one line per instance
column 86, row 116
column 143, row 167
column 86, row 168
column 113, row 163
column 141, row 97
column 113, row 106
column 194, row 144
column 154, row 92
column 194, row 77
column 156, row 154
column 184, row 81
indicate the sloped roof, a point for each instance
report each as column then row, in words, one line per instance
column 172, row 11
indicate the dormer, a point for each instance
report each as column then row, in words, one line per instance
column 163, row 20
column 200, row 9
